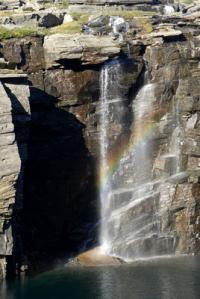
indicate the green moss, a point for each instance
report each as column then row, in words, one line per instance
column 82, row 18
column 145, row 24
column 71, row 27
column 7, row 13
column 20, row 32
column 5, row 70
column 65, row 4
column 187, row 1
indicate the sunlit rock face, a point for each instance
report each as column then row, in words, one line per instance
column 150, row 201
column 15, row 116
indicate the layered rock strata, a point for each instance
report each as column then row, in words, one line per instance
column 15, row 115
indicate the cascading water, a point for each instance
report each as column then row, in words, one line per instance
column 105, row 189
column 168, row 10
column 112, row 112
column 132, row 206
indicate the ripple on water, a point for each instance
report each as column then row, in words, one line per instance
column 173, row 278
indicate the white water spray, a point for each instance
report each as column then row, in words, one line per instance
column 131, row 203
column 169, row 10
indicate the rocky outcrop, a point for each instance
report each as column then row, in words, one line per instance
column 178, row 70
column 45, row 19
column 15, row 115
column 84, row 48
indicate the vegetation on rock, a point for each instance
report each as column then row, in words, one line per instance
column 21, row 32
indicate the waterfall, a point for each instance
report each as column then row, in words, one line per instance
column 134, row 219
column 168, row 10
column 111, row 106
column 105, row 189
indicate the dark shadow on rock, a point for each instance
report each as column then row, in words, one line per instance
column 60, row 202
column 58, row 216
column 77, row 66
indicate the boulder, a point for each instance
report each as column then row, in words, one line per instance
column 50, row 20
column 95, row 257
column 98, row 26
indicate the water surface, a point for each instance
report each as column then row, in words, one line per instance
column 173, row 278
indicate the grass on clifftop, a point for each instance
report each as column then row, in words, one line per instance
column 187, row 1
column 63, row 5
column 20, row 32
column 139, row 17
column 72, row 27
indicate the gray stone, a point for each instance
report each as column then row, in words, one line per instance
column 50, row 20
column 61, row 47
column 44, row 19
column 14, row 94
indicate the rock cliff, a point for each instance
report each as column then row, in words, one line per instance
column 15, row 116
column 49, row 163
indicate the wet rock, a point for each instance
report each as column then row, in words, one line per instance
column 178, row 178
column 95, row 257
column 105, row 25
column 119, row 26
column 192, row 121
column 98, row 26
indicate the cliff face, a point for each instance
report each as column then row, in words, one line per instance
column 15, row 115
column 60, row 196
column 175, row 68
column 170, row 206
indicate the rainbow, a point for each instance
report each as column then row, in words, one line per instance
column 125, row 146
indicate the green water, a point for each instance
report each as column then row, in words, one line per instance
column 175, row 278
